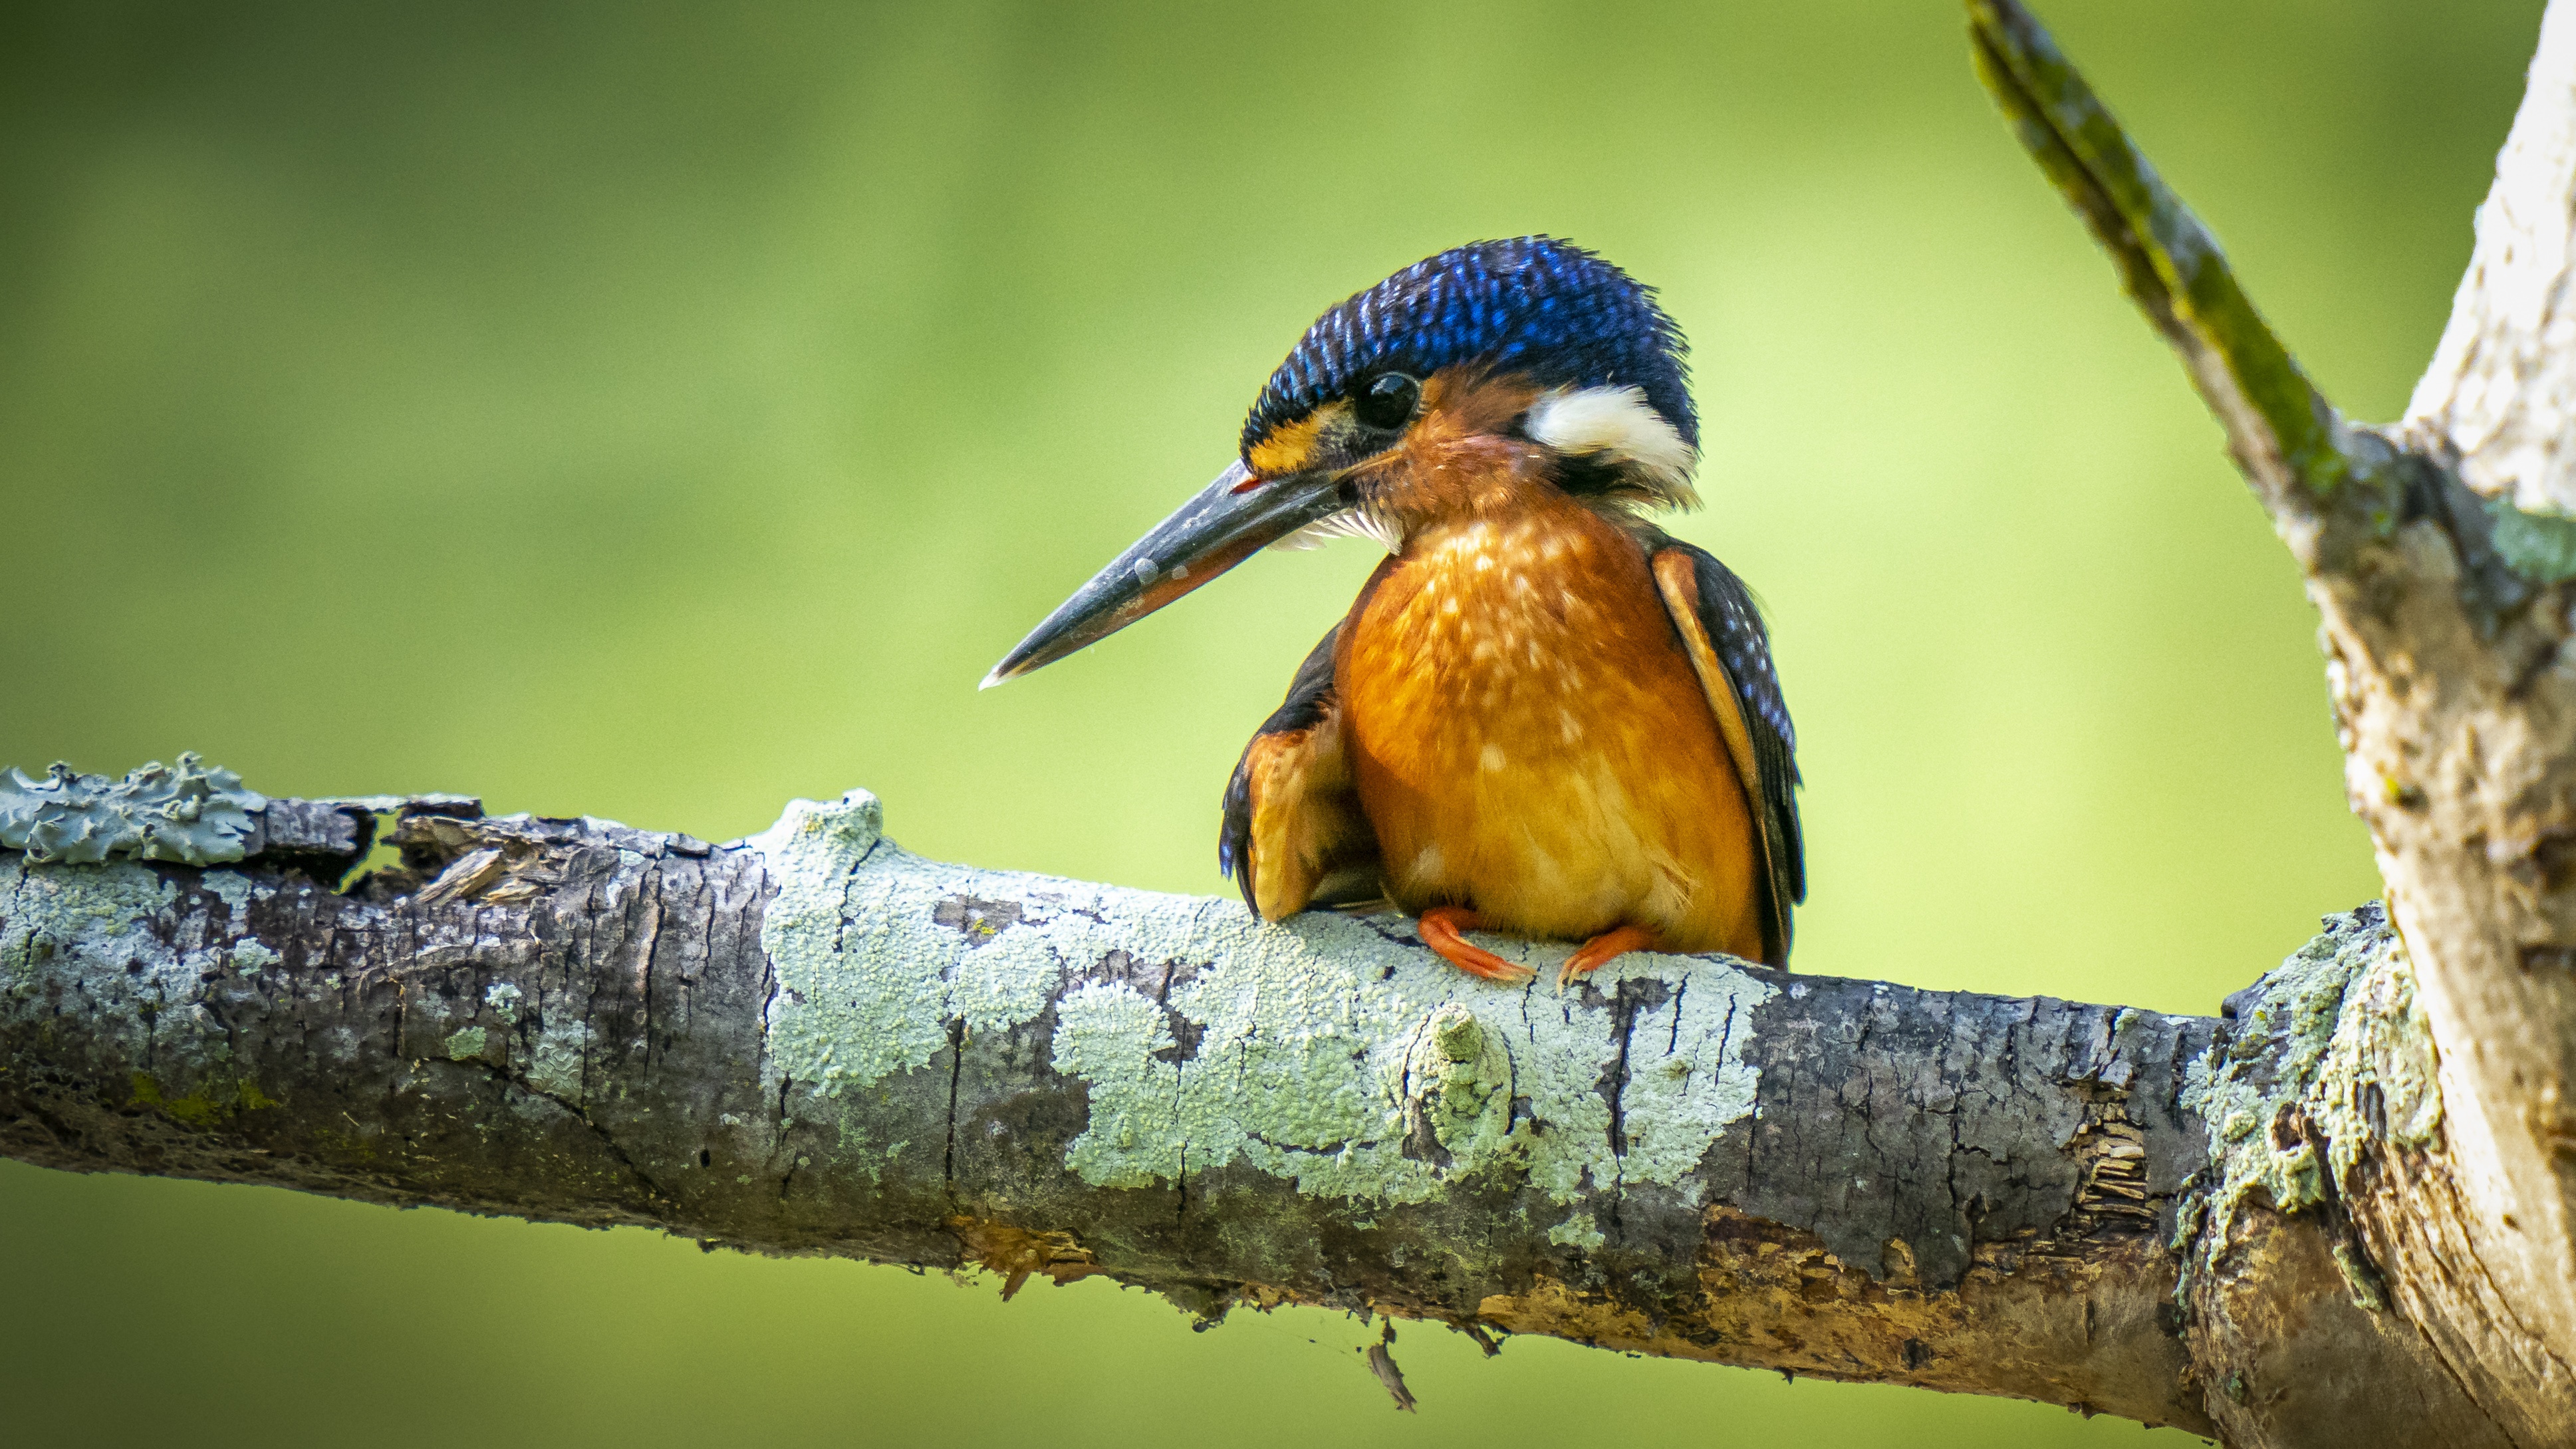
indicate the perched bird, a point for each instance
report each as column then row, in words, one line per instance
column 1543, row 716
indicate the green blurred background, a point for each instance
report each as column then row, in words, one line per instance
column 660, row 411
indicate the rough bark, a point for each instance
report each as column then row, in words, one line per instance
column 2345, row 1214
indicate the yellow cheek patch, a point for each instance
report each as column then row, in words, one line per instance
column 1291, row 448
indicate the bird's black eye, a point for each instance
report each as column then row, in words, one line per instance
column 1387, row 403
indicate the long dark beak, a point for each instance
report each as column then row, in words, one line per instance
column 1225, row 524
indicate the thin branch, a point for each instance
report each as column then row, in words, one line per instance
column 2280, row 429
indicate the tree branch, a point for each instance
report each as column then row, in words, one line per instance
column 814, row 1042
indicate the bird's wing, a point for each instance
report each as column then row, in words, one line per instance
column 1722, row 632
column 1293, row 834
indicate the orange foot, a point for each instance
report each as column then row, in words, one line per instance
column 1601, row 950
column 1439, row 928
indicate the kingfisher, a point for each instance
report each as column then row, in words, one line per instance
column 1543, row 717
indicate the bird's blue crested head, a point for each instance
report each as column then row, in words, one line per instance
column 1534, row 306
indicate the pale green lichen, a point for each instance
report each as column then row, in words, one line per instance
column 57, row 921
column 231, row 887
column 192, row 814
column 466, row 1043
column 1577, row 1231
column 2331, row 1052
column 503, row 998
column 211, row 1105
column 556, row 1058
column 1136, row 1098
column 2541, row 547
column 50, row 913
column 1456, row 1079
column 1320, row 1050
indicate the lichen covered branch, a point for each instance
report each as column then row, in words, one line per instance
column 813, row 1041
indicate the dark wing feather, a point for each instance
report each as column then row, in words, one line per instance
column 1733, row 623
column 1303, row 735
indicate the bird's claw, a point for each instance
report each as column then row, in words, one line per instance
column 1600, row 951
column 1439, row 929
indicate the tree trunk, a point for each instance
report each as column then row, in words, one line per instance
column 2445, row 605
column 2341, row 1214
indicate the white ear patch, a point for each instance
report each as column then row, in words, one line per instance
column 1615, row 422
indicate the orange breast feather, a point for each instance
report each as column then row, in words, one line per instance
column 1529, row 740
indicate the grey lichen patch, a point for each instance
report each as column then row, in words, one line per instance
column 2331, row 1054
column 249, row 957
column 231, row 887
column 193, row 814
column 1325, row 1052
column 53, row 913
column 845, row 1013
column 557, row 1058
column 55, row 917
column 2378, row 1082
